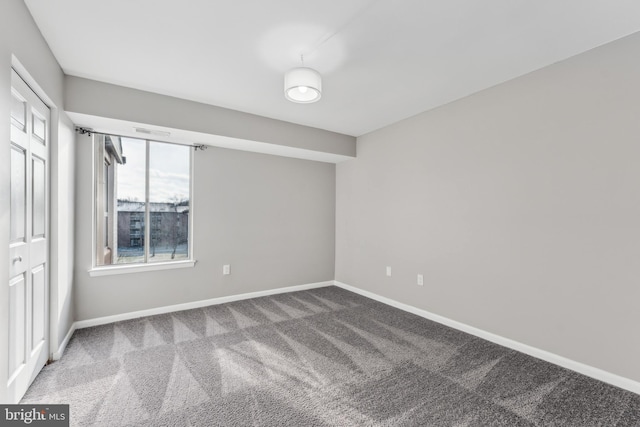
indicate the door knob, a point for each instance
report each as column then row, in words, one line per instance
column 17, row 259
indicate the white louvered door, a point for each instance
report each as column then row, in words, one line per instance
column 29, row 240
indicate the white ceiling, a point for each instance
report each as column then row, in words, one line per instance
column 381, row 60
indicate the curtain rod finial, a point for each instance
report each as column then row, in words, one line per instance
column 84, row 131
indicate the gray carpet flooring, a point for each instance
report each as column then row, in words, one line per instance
column 314, row 358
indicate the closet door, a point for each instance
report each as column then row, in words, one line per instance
column 28, row 245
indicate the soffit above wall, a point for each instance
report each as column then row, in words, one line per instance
column 119, row 110
column 127, row 128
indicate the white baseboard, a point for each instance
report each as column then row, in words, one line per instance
column 581, row 368
column 195, row 304
column 58, row 354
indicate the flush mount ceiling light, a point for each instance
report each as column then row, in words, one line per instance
column 302, row 85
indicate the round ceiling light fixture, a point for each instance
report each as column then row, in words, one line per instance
column 302, row 85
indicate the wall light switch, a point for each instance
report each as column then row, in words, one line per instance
column 389, row 271
column 420, row 279
column 226, row 269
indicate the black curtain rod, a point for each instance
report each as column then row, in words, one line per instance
column 89, row 132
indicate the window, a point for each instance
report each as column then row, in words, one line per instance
column 143, row 201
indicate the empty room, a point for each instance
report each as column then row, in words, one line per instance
column 320, row 213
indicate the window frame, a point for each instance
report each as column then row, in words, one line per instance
column 100, row 218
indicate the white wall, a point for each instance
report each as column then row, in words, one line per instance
column 271, row 218
column 20, row 38
column 519, row 204
column 63, row 201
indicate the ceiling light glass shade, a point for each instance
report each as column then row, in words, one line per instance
column 302, row 85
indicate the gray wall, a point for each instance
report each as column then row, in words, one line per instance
column 271, row 218
column 519, row 204
column 20, row 37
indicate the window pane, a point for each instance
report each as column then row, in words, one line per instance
column 130, row 194
column 107, row 195
column 169, row 166
column 143, row 211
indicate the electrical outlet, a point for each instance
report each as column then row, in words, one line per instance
column 389, row 271
column 420, row 279
column 226, row 269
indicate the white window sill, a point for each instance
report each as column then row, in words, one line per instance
column 137, row 268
